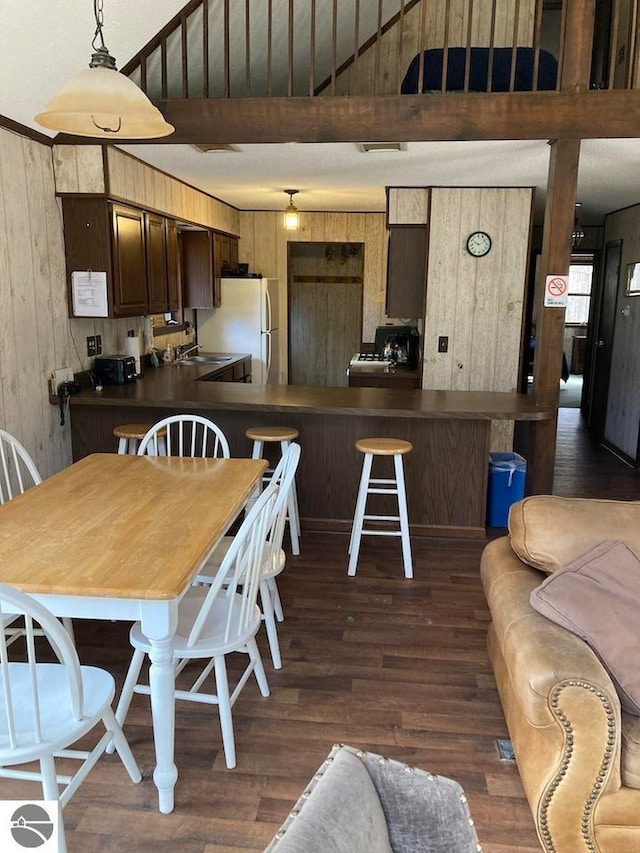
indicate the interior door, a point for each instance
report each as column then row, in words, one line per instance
column 601, row 350
column 325, row 311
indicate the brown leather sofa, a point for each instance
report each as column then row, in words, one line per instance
column 577, row 752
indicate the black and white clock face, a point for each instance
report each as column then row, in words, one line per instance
column 478, row 244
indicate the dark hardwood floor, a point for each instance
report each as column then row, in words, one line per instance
column 398, row 667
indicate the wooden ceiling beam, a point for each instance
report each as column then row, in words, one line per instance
column 402, row 118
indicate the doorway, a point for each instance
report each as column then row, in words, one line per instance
column 325, row 311
column 581, row 278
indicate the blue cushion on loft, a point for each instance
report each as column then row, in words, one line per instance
column 479, row 70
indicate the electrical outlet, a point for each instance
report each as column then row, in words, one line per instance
column 443, row 343
column 91, row 345
column 98, row 344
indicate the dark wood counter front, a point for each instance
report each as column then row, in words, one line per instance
column 450, row 430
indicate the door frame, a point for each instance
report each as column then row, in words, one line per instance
column 597, row 371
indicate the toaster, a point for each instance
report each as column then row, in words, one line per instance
column 114, row 369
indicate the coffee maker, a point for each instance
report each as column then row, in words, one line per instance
column 398, row 344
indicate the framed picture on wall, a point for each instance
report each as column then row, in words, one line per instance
column 633, row 279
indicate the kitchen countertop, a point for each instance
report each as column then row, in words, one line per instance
column 177, row 386
column 446, row 475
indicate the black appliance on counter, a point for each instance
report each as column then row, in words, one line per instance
column 399, row 345
column 114, row 369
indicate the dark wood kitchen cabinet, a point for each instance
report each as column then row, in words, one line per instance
column 206, row 256
column 173, row 266
column 406, row 271
column 200, row 283
column 133, row 248
column 225, row 252
column 157, row 267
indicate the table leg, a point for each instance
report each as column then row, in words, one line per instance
column 162, row 683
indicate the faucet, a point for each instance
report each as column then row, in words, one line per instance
column 182, row 353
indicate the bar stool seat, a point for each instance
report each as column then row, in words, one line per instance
column 130, row 435
column 284, row 436
column 396, row 448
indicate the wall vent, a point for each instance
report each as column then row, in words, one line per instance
column 207, row 148
column 371, row 147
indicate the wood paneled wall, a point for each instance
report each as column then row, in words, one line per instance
column 33, row 300
column 623, row 406
column 425, row 24
column 80, row 169
column 477, row 303
column 263, row 245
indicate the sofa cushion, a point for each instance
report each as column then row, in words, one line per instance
column 597, row 597
column 549, row 532
column 339, row 812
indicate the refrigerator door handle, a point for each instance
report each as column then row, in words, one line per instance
column 269, row 318
column 267, row 335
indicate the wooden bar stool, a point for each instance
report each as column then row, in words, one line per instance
column 130, row 435
column 369, row 485
column 283, row 435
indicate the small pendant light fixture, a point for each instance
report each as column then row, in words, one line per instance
column 291, row 217
column 577, row 235
column 101, row 102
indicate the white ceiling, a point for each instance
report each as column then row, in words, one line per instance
column 44, row 44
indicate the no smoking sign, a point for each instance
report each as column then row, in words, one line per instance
column 555, row 291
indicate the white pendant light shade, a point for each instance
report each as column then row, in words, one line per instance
column 102, row 102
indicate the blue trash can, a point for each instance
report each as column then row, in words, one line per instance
column 507, row 472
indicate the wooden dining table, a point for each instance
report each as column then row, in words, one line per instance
column 121, row 537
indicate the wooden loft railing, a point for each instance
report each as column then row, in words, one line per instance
column 226, row 49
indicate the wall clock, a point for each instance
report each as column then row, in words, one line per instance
column 478, row 244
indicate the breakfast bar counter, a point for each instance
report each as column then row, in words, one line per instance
column 450, row 431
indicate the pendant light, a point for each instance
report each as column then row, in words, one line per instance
column 291, row 217
column 101, row 102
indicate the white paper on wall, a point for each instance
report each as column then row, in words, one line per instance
column 89, row 292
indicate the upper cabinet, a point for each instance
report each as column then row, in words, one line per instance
column 406, row 271
column 408, row 210
column 206, row 256
column 135, row 248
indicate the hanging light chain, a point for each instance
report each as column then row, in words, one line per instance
column 99, row 16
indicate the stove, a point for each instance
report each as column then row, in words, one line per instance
column 366, row 362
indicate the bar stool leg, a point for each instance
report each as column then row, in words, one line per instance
column 122, row 445
column 404, row 517
column 358, row 515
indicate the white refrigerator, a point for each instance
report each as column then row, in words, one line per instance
column 245, row 322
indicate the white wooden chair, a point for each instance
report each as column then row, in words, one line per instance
column 17, row 468
column 18, row 473
column 186, row 435
column 46, row 707
column 274, row 558
column 214, row 621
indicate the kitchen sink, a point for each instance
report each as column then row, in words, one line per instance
column 205, row 359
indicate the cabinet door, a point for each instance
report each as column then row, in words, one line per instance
column 198, row 279
column 156, row 253
column 406, row 272
column 173, row 266
column 87, row 240
column 129, row 262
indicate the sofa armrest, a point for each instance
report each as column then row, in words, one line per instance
column 561, row 707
